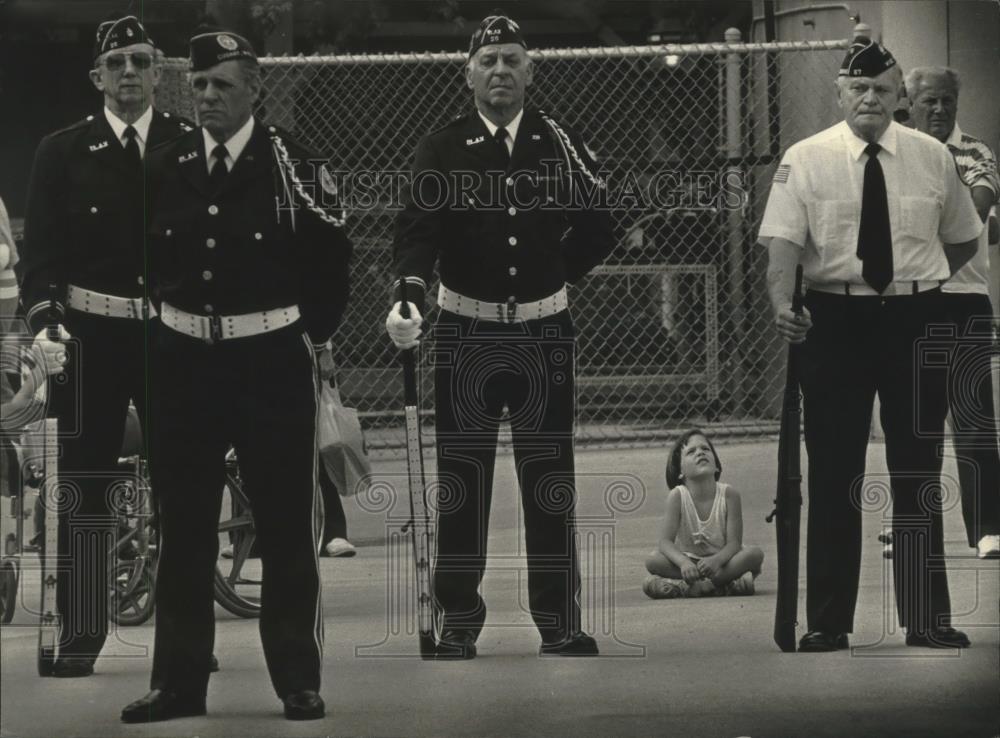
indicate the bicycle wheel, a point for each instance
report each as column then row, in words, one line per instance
column 238, row 571
column 132, row 588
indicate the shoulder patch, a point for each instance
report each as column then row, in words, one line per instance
column 327, row 182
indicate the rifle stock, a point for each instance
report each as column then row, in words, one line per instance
column 788, row 499
column 419, row 518
column 48, row 617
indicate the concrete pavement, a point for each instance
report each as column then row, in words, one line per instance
column 678, row 668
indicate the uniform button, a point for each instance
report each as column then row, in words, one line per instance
column 512, row 211
column 512, row 271
column 210, row 243
column 206, row 275
column 213, row 209
column 140, row 280
column 512, row 299
column 258, row 235
column 169, row 232
column 93, row 209
column 510, row 181
column 512, row 240
column 209, row 309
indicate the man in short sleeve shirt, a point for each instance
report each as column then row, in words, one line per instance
column 934, row 95
column 879, row 219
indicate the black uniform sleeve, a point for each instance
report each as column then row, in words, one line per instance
column 325, row 278
column 418, row 229
column 590, row 237
column 45, row 239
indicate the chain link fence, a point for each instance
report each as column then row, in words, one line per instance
column 675, row 329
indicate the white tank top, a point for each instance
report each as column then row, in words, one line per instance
column 702, row 537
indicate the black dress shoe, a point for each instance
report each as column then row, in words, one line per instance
column 70, row 668
column 820, row 641
column 305, row 704
column 213, row 664
column 456, row 645
column 163, row 704
column 938, row 638
column 578, row 644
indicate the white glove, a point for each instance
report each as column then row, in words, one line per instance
column 404, row 332
column 52, row 353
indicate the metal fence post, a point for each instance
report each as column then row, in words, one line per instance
column 734, row 224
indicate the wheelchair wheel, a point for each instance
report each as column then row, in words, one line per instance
column 8, row 591
column 238, row 572
column 133, row 586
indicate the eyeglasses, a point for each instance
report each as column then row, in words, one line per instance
column 116, row 62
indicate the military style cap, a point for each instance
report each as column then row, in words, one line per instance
column 214, row 47
column 114, row 34
column 496, row 29
column 866, row 58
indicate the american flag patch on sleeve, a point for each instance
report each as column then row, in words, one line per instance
column 781, row 174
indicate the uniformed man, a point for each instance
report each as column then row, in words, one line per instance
column 252, row 275
column 490, row 206
column 933, row 93
column 84, row 233
column 865, row 206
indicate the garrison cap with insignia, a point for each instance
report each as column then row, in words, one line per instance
column 496, row 29
column 866, row 58
column 211, row 47
column 115, row 34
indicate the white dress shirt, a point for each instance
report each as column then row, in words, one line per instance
column 815, row 202
column 141, row 127
column 234, row 145
column 511, row 128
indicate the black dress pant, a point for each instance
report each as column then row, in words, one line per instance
column 481, row 367
column 973, row 418
column 106, row 369
column 257, row 394
column 860, row 345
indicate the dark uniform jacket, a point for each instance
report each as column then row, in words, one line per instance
column 84, row 222
column 247, row 249
column 498, row 237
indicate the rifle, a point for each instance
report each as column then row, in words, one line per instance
column 48, row 618
column 419, row 519
column 788, row 499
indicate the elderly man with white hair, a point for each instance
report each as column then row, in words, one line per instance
column 933, row 93
column 879, row 219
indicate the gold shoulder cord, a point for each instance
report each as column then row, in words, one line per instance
column 288, row 176
column 564, row 142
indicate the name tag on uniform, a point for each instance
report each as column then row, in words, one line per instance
column 99, row 146
column 187, row 157
column 471, row 141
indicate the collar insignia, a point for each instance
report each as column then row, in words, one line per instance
column 99, row 146
column 472, row 141
column 187, row 157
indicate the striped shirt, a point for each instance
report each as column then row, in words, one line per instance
column 977, row 166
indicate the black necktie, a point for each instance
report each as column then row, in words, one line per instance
column 874, row 233
column 501, row 138
column 219, row 171
column 132, row 153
